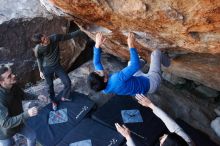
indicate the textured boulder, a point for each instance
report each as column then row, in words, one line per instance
column 217, row 111
column 173, row 79
column 215, row 124
column 188, row 29
column 208, row 92
column 25, row 9
column 19, row 21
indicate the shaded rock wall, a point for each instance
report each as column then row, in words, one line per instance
column 19, row 20
column 181, row 103
column 190, row 27
column 16, row 46
column 25, row 9
column 202, row 68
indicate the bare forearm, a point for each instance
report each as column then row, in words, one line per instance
column 170, row 123
column 130, row 141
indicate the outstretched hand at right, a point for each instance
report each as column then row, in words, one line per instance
column 99, row 40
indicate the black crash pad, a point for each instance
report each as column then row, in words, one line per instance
column 145, row 133
column 90, row 130
column 50, row 135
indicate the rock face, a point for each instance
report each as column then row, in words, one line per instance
column 25, row 9
column 173, row 79
column 16, row 46
column 188, row 29
column 208, row 92
column 187, row 106
column 19, row 21
column 215, row 124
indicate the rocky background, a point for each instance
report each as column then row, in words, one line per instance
column 189, row 31
column 19, row 20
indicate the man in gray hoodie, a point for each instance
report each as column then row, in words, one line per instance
column 48, row 57
column 12, row 116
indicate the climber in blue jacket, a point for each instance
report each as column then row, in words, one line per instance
column 130, row 80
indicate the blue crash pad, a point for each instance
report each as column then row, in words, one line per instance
column 89, row 132
column 51, row 134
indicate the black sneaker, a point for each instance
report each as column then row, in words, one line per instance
column 65, row 99
column 54, row 106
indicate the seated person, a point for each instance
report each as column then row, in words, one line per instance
column 130, row 80
column 176, row 137
column 12, row 116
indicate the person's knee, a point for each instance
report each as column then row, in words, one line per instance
column 31, row 139
column 31, row 136
column 31, row 142
column 7, row 142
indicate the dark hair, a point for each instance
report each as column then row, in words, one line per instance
column 174, row 140
column 3, row 69
column 96, row 82
column 36, row 38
